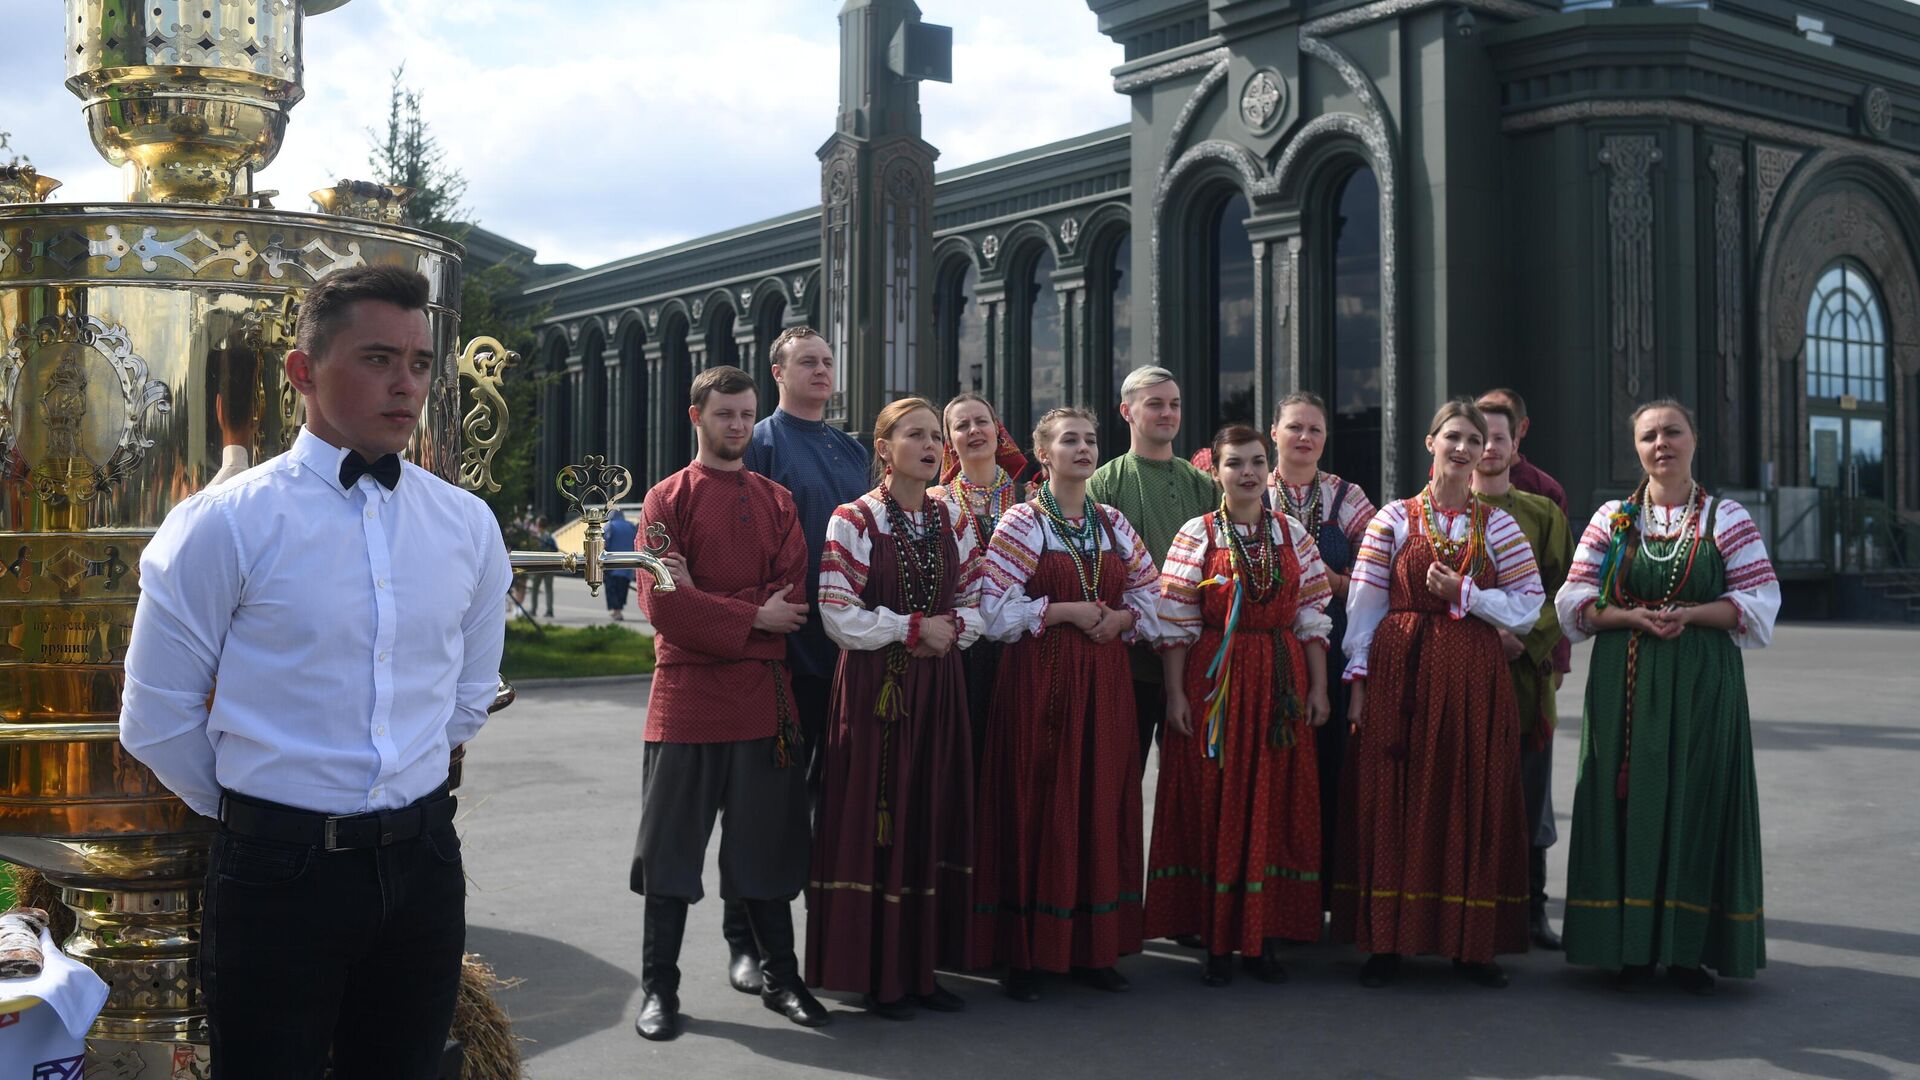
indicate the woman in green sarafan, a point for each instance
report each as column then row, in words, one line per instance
column 1671, row 583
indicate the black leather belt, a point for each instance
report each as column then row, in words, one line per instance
column 258, row 818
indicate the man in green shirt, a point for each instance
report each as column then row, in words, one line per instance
column 1530, row 657
column 1159, row 493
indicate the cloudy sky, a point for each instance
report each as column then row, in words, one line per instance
column 595, row 129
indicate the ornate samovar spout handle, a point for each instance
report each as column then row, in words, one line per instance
column 591, row 488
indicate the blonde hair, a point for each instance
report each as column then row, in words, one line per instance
column 961, row 399
column 889, row 418
column 1043, row 431
column 1459, row 409
column 1142, row 377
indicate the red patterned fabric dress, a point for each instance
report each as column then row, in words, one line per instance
column 1058, row 863
column 1236, row 839
column 1433, row 853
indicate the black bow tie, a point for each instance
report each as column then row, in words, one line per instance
column 386, row 470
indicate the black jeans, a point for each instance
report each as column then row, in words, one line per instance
column 302, row 950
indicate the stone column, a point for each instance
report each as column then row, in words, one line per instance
column 656, row 466
column 1076, row 341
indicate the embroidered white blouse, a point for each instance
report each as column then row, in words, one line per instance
column 1751, row 584
column 1351, row 514
column 1512, row 604
column 848, row 554
column 1180, row 589
column 1022, row 537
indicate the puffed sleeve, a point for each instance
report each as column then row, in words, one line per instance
column 1310, row 620
column 843, row 577
column 1368, row 596
column 1180, row 584
column 1012, row 555
column 1751, row 585
column 1143, row 579
column 966, row 589
column 1514, row 601
column 1582, row 587
column 1355, row 511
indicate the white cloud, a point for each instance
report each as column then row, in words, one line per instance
column 596, row 129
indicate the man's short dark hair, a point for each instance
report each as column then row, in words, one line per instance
column 787, row 337
column 1519, row 403
column 724, row 379
column 1500, row 408
column 325, row 306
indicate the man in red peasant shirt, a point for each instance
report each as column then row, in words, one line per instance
column 722, row 736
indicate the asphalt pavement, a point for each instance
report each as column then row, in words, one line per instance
column 551, row 802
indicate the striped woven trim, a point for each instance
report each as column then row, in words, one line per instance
column 1393, row 894
column 1282, row 873
column 1672, row 905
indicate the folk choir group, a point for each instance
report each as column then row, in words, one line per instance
column 917, row 682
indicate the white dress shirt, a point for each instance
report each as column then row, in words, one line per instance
column 354, row 635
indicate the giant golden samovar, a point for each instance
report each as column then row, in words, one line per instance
column 141, row 340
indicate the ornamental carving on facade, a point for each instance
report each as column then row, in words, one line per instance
column 990, row 247
column 1070, row 232
column 1630, row 160
column 1729, row 169
column 1261, row 100
column 1876, row 112
column 653, row 318
column 1771, row 165
column 799, row 288
column 698, row 307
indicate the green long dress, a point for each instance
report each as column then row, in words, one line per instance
column 1670, row 874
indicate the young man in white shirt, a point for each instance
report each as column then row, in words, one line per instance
column 346, row 604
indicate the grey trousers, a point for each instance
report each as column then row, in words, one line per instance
column 765, row 840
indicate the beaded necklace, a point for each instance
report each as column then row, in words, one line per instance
column 988, row 502
column 1308, row 511
column 1445, row 548
column 1081, row 541
column 1688, row 512
column 922, row 555
column 1261, row 569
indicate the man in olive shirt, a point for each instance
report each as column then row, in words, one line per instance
column 1530, row 657
column 1158, row 492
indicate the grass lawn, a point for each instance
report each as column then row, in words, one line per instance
column 567, row 652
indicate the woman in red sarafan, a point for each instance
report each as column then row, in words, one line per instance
column 889, row 897
column 1236, row 822
column 1433, row 842
column 1057, row 869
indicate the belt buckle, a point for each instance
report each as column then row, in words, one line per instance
column 329, row 836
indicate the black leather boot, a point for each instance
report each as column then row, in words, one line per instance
column 665, row 923
column 743, row 965
column 785, row 992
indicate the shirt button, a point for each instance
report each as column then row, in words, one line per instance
column 370, row 514
column 374, row 794
column 381, row 730
column 383, row 657
column 381, row 584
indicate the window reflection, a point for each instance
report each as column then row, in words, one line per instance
column 1233, row 354
column 1120, row 311
column 1046, row 360
column 1354, row 443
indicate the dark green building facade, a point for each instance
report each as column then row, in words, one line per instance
column 1390, row 202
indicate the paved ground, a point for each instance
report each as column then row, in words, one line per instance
column 552, row 799
column 574, row 606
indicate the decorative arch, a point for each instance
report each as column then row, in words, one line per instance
column 956, row 320
column 674, row 379
column 718, row 323
column 627, row 405
column 1114, row 342
column 1187, row 296
column 1841, row 207
column 556, row 448
column 1035, row 331
column 590, row 393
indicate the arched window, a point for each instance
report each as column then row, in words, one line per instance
column 677, row 361
column 1119, row 314
column 592, row 399
column 1231, row 289
column 1046, row 357
column 630, row 410
column 959, row 329
column 1846, row 353
column 722, row 347
column 773, row 314
column 1353, row 448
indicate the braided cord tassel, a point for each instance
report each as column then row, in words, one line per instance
column 889, row 706
column 1286, row 697
column 1626, row 734
column 786, row 732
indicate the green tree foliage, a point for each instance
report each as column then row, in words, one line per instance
column 7, row 155
column 407, row 153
